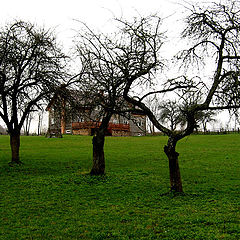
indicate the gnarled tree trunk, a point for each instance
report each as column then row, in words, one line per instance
column 98, row 167
column 174, row 170
column 15, row 146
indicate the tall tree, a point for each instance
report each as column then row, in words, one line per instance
column 31, row 65
column 213, row 34
column 106, row 60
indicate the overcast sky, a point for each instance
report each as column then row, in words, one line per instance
column 57, row 12
column 96, row 13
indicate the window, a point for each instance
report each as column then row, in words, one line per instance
column 80, row 119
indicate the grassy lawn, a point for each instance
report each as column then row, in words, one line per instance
column 51, row 196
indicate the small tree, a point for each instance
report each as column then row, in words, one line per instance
column 205, row 117
column 171, row 114
column 31, row 65
column 213, row 31
column 107, row 60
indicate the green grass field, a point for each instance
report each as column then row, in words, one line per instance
column 51, row 196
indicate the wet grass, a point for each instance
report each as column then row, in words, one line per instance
column 51, row 196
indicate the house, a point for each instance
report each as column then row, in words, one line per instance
column 86, row 120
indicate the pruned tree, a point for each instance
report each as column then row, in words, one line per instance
column 31, row 66
column 106, row 60
column 213, row 32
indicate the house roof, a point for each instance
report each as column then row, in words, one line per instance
column 82, row 102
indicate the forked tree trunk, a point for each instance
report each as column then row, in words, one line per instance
column 15, row 146
column 98, row 167
column 174, row 170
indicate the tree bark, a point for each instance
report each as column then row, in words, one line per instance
column 98, row 167
column 174, row 170
column 15, row 146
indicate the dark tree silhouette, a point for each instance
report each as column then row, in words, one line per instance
column 108, row 61
column 31, row 65
column 213, row 32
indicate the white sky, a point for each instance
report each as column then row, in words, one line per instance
column 60, row 14
column 92, row 11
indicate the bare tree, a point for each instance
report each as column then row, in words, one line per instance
column 213, row 32
column 27, row 123
column 40, row 121
column 205, row 117
column 171, row 114
column 153, row 103
column 107, row 60
column 31, row 65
